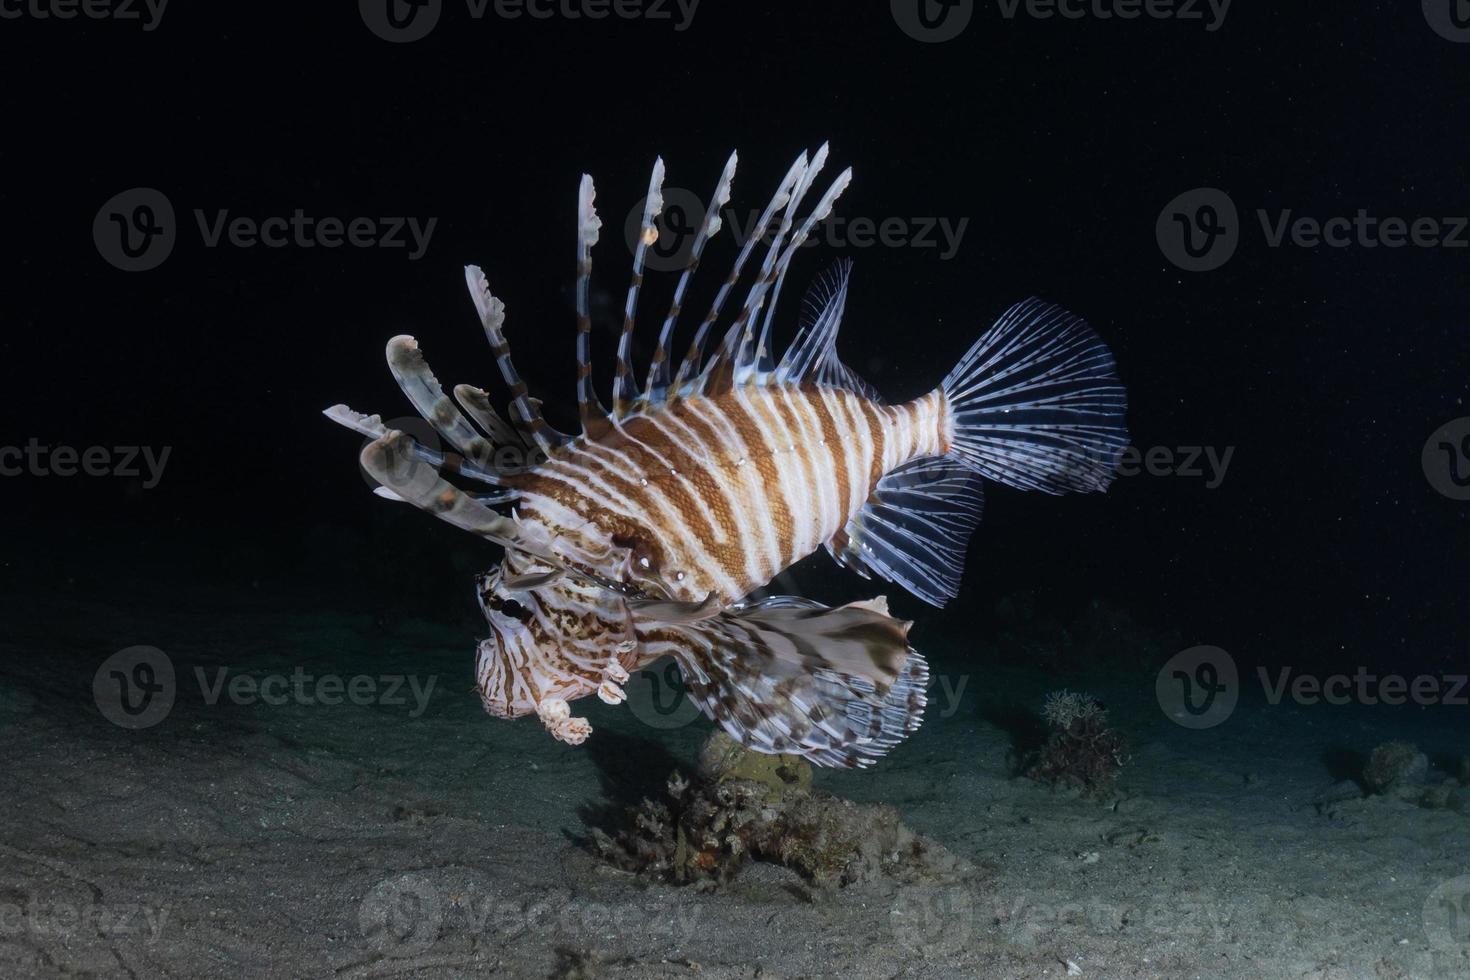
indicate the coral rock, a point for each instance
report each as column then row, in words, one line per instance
column 724, row 759
column 1393, row 766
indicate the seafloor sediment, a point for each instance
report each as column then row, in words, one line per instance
column 374, row 839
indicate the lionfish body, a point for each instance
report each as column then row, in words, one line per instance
column 720, row 494
column 645, row 535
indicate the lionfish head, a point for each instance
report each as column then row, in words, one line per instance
column 554, row 641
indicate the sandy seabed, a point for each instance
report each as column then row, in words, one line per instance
column 403, row 833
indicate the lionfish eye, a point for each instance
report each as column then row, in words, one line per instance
column 513, row 609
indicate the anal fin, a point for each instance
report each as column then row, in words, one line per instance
column 914, row 529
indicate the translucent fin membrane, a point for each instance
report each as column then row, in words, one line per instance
column 838, row 686
column 587, row 230
column 372, row 427
column 625, row 389
column 658, row 370
column 1036, row 403
column 492, row 319
column 694, row 356
column 915, row 528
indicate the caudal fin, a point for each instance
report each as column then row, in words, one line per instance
column 1036, row 404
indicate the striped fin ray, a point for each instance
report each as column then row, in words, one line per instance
column 739, row 342
column 492, row 318
column 588, row 407
column 392, row 461
column 838, row 686
column 812, row 356
column 625, row 388
column 476, row 404
column 372, row 427
column 1036, row 403
column 411, row 371
column 914, row 529
column 694, row 356
column 658, row 369
column 820, row 213
column 495, row 499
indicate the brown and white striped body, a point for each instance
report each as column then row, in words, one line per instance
column 721, row 494
column 645, row 534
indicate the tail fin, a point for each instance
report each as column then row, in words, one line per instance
column 1036, row 404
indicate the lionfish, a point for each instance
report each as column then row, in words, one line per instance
column 647, row 533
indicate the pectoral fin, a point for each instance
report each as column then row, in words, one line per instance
column 671, row 611
column 531, row 581
column 838, row 686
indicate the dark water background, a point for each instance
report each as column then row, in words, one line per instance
column 1324, row 370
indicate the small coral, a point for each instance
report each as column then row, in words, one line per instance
column 1082, row 751
column 1062, row 708
column 1393, row 766
column 716, row 824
